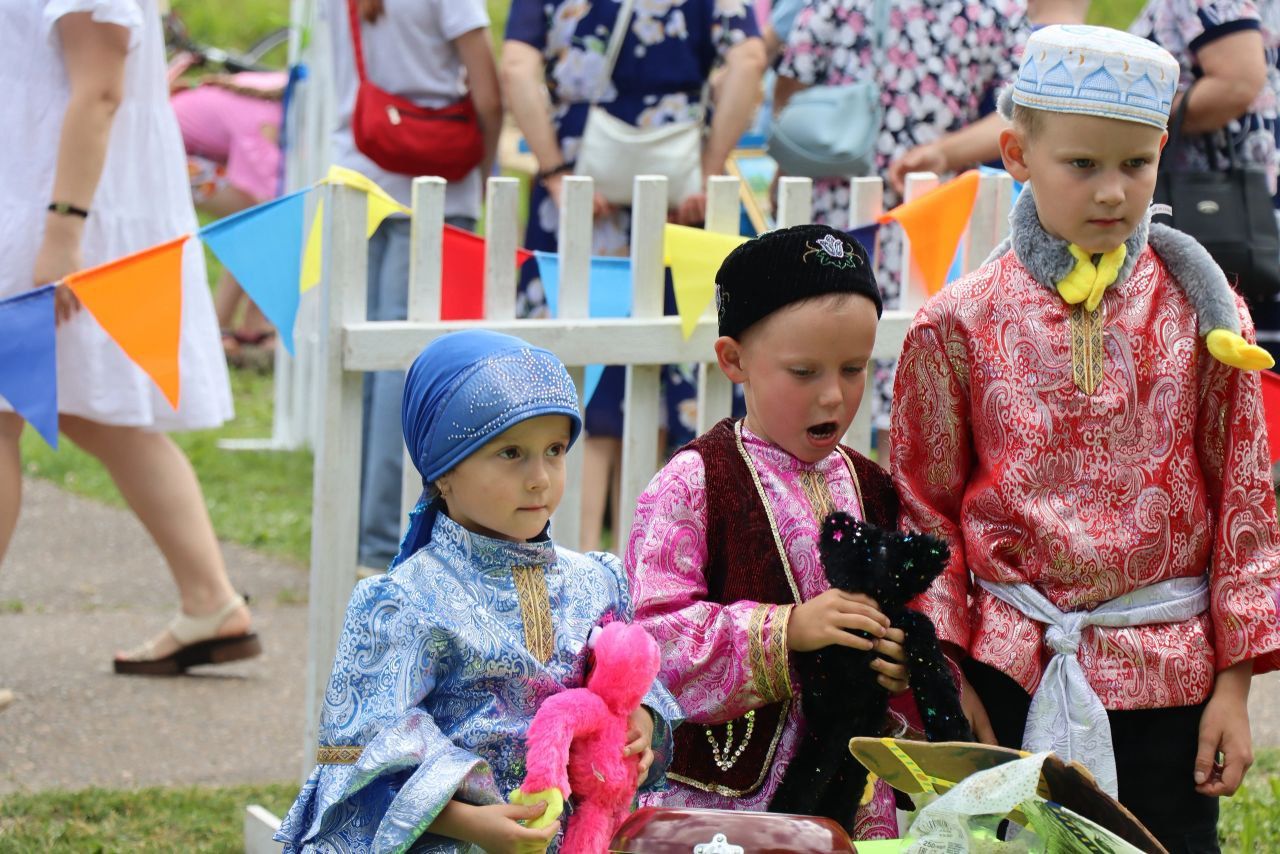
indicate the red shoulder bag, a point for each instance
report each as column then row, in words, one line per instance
column 403, row 137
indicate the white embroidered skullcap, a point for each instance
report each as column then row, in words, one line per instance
column 1095, row 71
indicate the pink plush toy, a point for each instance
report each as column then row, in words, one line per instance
column 575, row 742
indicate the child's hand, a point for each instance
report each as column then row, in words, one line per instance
column 975, row 712
column 640, row 740
column 832, row 618
column 891, row 661
column 1224, row 728
column 497, row 830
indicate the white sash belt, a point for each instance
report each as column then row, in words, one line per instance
column 1066, row 714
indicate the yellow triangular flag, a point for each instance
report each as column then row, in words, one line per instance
column 381, row 206
column 694, row 256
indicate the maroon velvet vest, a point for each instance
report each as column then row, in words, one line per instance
column 743, row 563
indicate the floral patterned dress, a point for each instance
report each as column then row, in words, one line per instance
column 664, row 62
column 941, row 59
column 1183, row 27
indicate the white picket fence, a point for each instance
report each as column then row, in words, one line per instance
column 350, row 345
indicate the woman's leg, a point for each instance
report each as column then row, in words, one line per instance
column 157, row 481
column 10, row 477
column 599, row 456
column 227, row 296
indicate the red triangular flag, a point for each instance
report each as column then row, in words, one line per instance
column 462, row 271
column 138, row 301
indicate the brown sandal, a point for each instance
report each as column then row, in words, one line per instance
column 199, row 645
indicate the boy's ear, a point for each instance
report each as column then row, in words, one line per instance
column 729, row 355
column 1164, row 139
column 1014, row 154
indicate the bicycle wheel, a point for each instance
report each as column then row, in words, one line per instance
column 270, row 51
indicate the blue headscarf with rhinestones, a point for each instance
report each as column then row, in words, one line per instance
column 464, row 389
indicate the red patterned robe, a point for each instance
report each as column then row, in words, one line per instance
column 1161, row 472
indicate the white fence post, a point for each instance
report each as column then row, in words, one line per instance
column 640, row 399
column 715, row 392
column 500, row 229
column 795, row 201
column 426, row 253
column 866, row 203
column 335, row 496
column 989, row 223
column 575, row 243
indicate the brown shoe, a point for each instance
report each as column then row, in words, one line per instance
column 199, row 644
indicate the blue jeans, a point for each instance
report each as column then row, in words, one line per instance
column 381, row 450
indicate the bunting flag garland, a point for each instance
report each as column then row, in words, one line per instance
column 116, row 292
column 244, row 240
column 866, row 235
column 608, row 291
column 381, row 206
column 694, row 256
column 934, row 223
column 1271, row 411
column 28, row 360
column 608, row 295
column 462, row 274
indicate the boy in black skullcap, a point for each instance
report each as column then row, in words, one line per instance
column 723, row 558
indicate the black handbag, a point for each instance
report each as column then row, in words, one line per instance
column 1229, row 212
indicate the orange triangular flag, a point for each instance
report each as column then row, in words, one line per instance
column 138, row 301
column 934, row 223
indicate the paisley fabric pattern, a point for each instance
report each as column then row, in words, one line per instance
column 1161, row 473
column 712, row 653
column 433, row 679
column 942, row 60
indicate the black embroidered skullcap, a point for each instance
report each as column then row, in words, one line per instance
column 789, row 265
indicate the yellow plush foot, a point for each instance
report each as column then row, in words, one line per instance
column 1231, row 349
column 553, row 798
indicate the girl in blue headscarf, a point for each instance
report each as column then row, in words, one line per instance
column 444, row 660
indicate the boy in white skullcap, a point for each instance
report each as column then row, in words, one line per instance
column 1098, row 469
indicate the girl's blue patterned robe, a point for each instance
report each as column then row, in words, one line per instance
column 434, row 680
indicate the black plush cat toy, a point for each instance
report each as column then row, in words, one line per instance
column 838, row 689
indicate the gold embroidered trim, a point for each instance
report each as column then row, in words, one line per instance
column 780, row 673
column 818, row 493
column 345, row 754
column 755, row 653
column 727, row 792
column 1087, row 349
column 857, row 484
column 768, row 512
column 535, row 611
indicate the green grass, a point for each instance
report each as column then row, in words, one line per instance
column 193, row 819
column 1114, row 13
column 1250, row 821
column 231, row 24
column 205, row 819
column 258, row 499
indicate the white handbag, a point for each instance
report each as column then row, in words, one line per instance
column 614, row 152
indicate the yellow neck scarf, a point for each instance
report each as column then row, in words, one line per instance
column 1087, row 282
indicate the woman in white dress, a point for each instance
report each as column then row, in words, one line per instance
column 94, row 169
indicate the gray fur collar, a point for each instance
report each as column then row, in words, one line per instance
column 1047, row 259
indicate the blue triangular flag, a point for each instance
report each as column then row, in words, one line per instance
column 262, row 248
column 28, row 360
column 608, row 295
column 866, row 235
